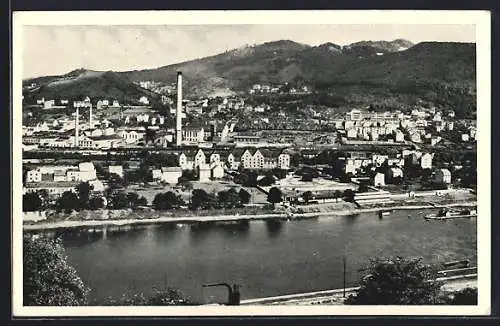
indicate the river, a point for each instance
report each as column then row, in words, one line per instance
column 265, row 258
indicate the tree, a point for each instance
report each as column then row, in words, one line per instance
column 337, row 194
column 142, row 201
column 398, row 281
column 185, row 183
column 307, row 196
column 467, row 296
column 31, row 202
column 348, row 195
column 244, row 196
column 345, row 178
column 251, row 179
column 48, row 279
column 132, row 199
column 201, row 199
column 166, row 201
column 274, row 196
column 228, row 198
column 119, row 200
column 266, row 181
column 44, row 196
column 68, row 201
column 167, row 297
column 96, row 203
column 363, row 186
column 190, row 175
column 279, row 173
column 115, row 182
column 307, row 177
column 83, row 190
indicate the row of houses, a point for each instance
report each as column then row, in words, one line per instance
column 246, row 158
column 355, row 163
column 56, row 179
column 440, row 176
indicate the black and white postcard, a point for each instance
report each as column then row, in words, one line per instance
column 214, row 163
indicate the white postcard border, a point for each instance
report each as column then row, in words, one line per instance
column 482, row 21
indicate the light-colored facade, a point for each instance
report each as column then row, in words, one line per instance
column 171, row 175
column 379, row 180
column 442, row 176
column 426, row 161
column 116, row 169
column 204, row 173
column 34, row 176
column 217, row 171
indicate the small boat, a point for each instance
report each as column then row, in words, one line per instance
column 446, row 214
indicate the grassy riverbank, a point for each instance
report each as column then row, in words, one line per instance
column 106, row 217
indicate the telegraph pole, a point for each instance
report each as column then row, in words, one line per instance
column 344, row 263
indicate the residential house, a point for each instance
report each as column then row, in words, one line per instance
column 52, row 188
column 394, row 172
column 116, row 169
column 34, row 176
column 399, row 136
column 352, row 133
column 156, row 174
column 378, row 159
column 379, row 180
column 199, row 158
column 97, row 185
column 283, row 161
column 132, row 136
column 426, row 161
column 217, row 171
column 85, row 172
column 144, row 100
column 171, row 175
column 60, row 176
column 442, row 176
column 193, row 135
column 204, row 172
column 186, row 159
column 106, row 141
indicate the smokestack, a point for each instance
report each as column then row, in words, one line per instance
column 178, row 112
column 77, row 127
column 90, row 118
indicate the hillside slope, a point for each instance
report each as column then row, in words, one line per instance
column 363, row 73
column 81, row 83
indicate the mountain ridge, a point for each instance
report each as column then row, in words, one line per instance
column 371, row 67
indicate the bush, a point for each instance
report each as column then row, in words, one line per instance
column 31, row 202
column 68, row 202
column 467, row 296
column 48, row 279
column 166, row 201
column 168, row 297
column 398, row 281
column 244, row 196
column 96, row 203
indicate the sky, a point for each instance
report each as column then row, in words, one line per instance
column 55, row 50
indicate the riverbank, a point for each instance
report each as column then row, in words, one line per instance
column 228, row 218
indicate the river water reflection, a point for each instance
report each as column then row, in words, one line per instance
column 266, row 257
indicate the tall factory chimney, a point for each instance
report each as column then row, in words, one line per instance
column 178, row 112
column 77, row 127
column 91, row 124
